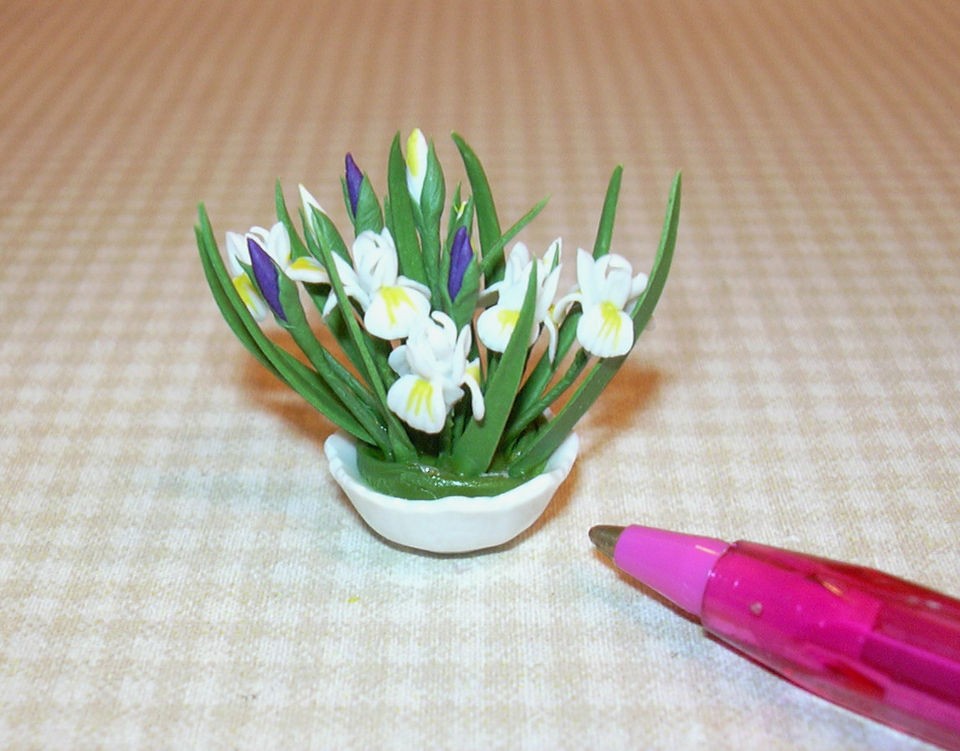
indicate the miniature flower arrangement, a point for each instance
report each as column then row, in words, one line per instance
column 438, row 383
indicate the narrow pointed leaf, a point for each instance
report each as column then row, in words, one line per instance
column 455, row 222
column 369, row 215
column 434, row 193
column 533, row 400
column 494, row 255
column 488, row 224
column 544, row 370
column 328, row 235
column 601, row 245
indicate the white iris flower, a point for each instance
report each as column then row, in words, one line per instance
column 391, row 303
column 433, row 370
column 605, row 286
column 496, row 324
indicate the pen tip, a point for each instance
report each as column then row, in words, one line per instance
column 605, row 537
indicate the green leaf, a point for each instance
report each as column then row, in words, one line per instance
column 454, row 222
column 494, row 256
column 601, row 245
column 434, row 193
column 477, row 446
column 488, row 224
column 428, row 221
column 327, row 234
column 369, row 215
column 545, row 369
column 319, row 293
column 401, row 220
column 554, row 433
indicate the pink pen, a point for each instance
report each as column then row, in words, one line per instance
column 878, row 645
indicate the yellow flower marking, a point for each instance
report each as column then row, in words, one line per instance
column 413, row 164
column 393, row 298
column 304, row 264
column 508, row 318
column 419, row 397
column 246, row 290
column 612, row 322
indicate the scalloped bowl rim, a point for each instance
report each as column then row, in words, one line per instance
column 454, row 524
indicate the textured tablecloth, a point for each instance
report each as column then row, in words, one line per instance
column 178, row 570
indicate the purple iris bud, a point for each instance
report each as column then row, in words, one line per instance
column 267, row 276
column 354, row 180
column 460, row 256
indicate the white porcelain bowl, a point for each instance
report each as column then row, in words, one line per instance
column 456, row 524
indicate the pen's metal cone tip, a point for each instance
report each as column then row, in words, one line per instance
column 605, row 537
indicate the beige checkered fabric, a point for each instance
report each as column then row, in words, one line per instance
column 177, row 569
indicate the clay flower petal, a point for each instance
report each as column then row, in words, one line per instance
column 433, row 370
column 307, row 269
column 496, row 324
column 606, row 285
column 391, row 302
column 392, row 310
column 419, row 402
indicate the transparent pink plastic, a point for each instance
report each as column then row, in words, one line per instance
column 873, row 643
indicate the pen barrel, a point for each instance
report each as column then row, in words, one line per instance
column 878, row 645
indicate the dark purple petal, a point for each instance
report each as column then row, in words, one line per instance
column 460, row 257
column 267, row 276
column 354, row 180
